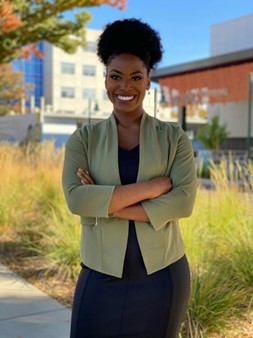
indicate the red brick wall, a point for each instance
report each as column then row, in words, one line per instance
column 233, row 80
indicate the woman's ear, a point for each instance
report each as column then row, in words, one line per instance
column 148, row 84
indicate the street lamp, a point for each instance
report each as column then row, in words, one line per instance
column 155, row 101
column 96, row 109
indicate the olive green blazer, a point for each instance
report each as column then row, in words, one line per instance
column 165, row 150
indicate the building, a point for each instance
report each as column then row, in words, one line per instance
column 32, row 69
column 74, row 83
column 232, row 36
column 217, row 85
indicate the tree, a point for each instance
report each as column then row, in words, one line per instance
column 12, row 90
column 213, row 134
column 23, row 23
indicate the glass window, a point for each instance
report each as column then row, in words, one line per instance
column 68, row 92
column 89, row 93
column 91, row 46
column 89, row 70
column 67, row 68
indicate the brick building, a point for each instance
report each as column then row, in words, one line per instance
column 218, row 85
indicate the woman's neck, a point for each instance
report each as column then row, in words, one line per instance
column 128, row 119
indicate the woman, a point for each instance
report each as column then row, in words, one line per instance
column 130, row 178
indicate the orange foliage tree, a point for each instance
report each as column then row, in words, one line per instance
column 23, row 23
column 12, row 90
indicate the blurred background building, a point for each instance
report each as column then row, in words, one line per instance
column 217, row 85
column 32, row 70
column 232, row 36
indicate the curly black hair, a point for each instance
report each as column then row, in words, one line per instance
column 130, row 36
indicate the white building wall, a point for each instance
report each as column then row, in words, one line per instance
column 231, row 36
column 234, row 115
column 54, row 79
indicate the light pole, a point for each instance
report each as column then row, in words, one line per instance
column 155, row 101
column 249, row 114
column 90, row 110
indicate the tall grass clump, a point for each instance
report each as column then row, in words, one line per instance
column 60, row 244
column 11, row 190
column 219, row 237
column 30, row 183
column 33, row 209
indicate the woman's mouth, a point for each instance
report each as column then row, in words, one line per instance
column 125, row 97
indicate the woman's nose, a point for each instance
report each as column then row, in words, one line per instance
column 125, row 84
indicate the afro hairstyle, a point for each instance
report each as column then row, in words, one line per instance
column 131, row 36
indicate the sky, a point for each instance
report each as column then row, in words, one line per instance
column 184, row 25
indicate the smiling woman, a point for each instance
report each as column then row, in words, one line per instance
column 130, row 178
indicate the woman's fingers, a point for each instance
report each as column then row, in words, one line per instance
column 84, row 176
column 85, row 179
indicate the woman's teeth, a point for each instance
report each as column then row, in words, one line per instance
column 125, row 98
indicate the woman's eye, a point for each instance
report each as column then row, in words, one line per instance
column 114, row 77
column 136, row 78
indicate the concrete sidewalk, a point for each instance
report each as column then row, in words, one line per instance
column 26, row 312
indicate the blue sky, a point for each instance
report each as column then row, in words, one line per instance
column 184, row 25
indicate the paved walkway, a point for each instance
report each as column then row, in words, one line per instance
column 27, row 312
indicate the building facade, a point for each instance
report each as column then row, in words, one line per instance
column 217, row 85
column 32, row 70
column 74, row 83
column 232, row 36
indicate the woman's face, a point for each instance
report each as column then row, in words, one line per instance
column 126, row 82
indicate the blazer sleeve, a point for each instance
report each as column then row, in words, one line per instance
column 179, row 202
column 89, row 200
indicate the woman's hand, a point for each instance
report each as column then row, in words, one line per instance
column 84, row 176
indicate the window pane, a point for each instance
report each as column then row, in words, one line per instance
column 89, row 70
column 90, row 47
column 67, row 68
column 68, row 92
column 89, row 93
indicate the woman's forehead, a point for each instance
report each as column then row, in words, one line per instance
column 126, row 61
